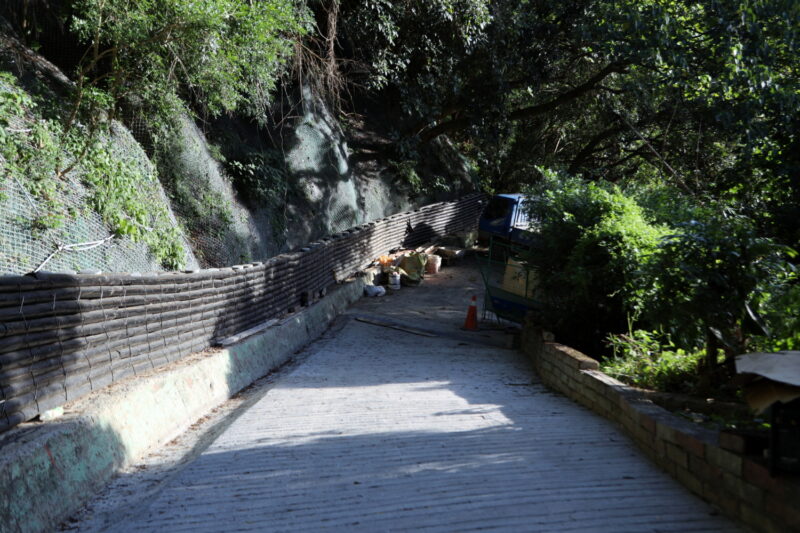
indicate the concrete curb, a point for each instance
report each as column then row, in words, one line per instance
column 48, row 470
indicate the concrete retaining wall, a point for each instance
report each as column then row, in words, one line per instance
column 48, row 470
column 741, row 487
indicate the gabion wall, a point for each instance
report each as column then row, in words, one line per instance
column 62, row 335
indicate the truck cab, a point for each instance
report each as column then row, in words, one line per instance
column 505, row 219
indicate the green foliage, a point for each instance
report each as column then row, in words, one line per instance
column 664, row 203
column 34, row 152
column 650, row 360
column 155, row 56
column 220, row 54
column 710, row 280
column 406, row 171
column 261, row 177
column 413, row 46
column 700, row 95
column 123, row 195
column 779, row 311
column 593, row 242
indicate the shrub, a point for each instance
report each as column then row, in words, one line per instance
column 710, row 280
column 650, row 360
column 121, row 191
column 594, row 242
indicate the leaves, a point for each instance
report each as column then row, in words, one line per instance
column 221, row 55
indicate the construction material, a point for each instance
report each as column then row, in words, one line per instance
column 374, row 290
column 413, row 268
column 239, row 337
column 434, row 264
column 450, row 254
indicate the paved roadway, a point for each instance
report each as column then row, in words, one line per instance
column 384, row 430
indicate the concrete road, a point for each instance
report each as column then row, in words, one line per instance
column 381, row 429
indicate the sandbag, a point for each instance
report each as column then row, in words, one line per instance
column 413, row 268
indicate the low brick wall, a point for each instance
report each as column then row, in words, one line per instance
column 742, row 488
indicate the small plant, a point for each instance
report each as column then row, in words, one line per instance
column 38, row 156
column 46, row 221
column 649, row 360
column 261, row 176
column 263, row 179
column 406, row 171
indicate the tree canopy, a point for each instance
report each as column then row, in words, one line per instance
column 653, row 114
column 703, row 95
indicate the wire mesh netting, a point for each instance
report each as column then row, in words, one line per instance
column 26, row 241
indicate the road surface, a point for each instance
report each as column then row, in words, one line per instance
column 380, row 429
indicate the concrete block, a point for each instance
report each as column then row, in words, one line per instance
column 755, row 518
column 666, row 432
column 732, row 442
column 701, row 468
column 574, row 358
column 647, row 423
column 727, row 502
column 757, row 474
column 628, row 423
column 691, row 443
column 677, row 455
column 784, row 512
column 727, row 461
column 743, row 490
column 689, row 480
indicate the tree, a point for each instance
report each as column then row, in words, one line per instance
column 219, row 55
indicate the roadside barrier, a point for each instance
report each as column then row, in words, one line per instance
column 65, row 335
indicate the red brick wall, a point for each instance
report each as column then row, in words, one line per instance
column 740, row 487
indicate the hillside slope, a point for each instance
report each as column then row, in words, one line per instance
column 223, row 192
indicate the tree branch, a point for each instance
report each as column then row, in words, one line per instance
column 591, row 147
column 532, row 111
column 569, row 96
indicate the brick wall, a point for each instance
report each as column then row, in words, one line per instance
column 741, row 487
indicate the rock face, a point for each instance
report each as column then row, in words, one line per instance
column 335, row 190
column 332, row 176
column 237, row 192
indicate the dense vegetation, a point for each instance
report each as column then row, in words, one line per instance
column 163, row 59
column 660, row 138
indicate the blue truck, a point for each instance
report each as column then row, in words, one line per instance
column 510, row 283
column 505, row 220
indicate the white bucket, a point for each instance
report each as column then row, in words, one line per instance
column 434, row 264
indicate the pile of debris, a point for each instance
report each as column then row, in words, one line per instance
column 408, row 267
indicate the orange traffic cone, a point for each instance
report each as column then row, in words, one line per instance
column 471, row 323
